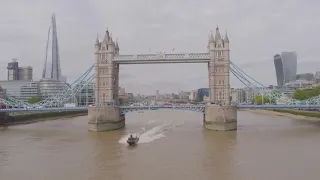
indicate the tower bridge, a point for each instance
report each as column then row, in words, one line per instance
column 107, row 115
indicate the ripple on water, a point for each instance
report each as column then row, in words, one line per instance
column 4, row 157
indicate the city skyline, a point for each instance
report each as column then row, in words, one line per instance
column 151, row 31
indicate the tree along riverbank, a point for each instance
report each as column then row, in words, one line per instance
column 311, row 116
column 9, row 120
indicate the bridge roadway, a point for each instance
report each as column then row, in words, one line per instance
column 126, row 109
column 162, row 58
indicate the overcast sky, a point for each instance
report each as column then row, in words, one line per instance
column 257, row 30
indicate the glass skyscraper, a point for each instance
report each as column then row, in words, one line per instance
column 203, row 92
column 286, row 67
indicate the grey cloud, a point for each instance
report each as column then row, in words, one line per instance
column 257, row 30
column 126, row 76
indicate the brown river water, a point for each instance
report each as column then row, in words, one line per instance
column 173, row 145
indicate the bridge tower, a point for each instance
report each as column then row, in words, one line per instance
column 219, row 114
column 105, row 115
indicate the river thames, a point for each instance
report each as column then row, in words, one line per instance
column 173, row 145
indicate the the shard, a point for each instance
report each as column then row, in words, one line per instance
column 55, row 65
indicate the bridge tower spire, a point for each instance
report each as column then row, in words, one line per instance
column 106, row 71
column 117, row 47
column 218, row 67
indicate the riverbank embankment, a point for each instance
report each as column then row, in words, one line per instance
column 310, row 116
column 9, row 120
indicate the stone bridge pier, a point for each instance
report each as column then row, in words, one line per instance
column 220, row 118
column 105, row 118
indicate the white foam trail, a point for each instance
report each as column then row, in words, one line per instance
column 147, row 136
column 151, row 122
column 154, row 133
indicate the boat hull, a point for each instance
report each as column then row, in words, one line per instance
column 132, row 142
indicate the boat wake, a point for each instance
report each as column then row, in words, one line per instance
column 147, row 136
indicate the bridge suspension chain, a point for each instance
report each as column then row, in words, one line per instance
column 261, row 89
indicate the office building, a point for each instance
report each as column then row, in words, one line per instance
column 286, row 67
column 2, row 93
column 305, row 76
column 317, row 78
column 25, row 73
column 13, row 68
column 250, row 94
column 18, row 73
column 242, row 95
column 193, row 95
column 87, row 95
column 238, row 95
column 203, row 92
column 29, row 90
column 299, row 84
column 183, row 95
column 18, row 89
column 123, row 98
column 51, row 87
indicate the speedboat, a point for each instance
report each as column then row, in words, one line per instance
column 132, row 140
